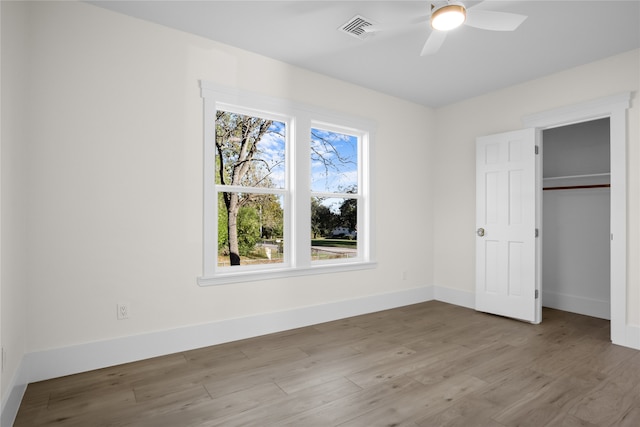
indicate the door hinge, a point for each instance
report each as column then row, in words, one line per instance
column 537, row 294
column 537, row 232
column 536, row 147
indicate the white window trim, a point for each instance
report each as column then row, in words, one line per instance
column 297, row 191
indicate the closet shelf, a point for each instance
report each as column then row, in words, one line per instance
column 591, row 175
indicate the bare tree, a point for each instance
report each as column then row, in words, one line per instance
column 237, row 139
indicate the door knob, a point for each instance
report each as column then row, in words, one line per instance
column 480, row 232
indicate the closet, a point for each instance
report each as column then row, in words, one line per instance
column 576, row 218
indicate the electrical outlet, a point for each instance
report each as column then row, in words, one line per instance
column 123, row 310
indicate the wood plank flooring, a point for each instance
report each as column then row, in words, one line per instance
column 430, row 364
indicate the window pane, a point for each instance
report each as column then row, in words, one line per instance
column 334, row 228
column 334, row 162
column 250, row 151
column 250, row 229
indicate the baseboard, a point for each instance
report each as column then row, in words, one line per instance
column 11, row 401
column 455, row 296
column 633, row 337
column 576, row 304
column 58, row 362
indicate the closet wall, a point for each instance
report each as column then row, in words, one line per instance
column 576, row 218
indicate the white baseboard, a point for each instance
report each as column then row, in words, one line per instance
column 576, row 304
column 633, row 337
column 455, row 296
column 11, row 401
column 58, row 362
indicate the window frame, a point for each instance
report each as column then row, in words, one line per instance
column 298, row 119
column 362, row 137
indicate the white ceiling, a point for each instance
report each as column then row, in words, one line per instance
column 555, row 36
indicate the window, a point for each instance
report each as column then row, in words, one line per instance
column 250, row 187
column 334, row 193
column 286, row 189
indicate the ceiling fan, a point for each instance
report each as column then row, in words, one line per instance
column 447, row 15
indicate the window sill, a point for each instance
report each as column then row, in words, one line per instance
column 223, row 279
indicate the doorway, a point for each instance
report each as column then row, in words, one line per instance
column 615, row 109
column 576, row 238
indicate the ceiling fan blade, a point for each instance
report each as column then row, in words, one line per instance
column 433, row 43
column 494, row 21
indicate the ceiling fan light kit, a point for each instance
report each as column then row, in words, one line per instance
column 448, row 17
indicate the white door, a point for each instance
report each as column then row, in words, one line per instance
column 506, row 271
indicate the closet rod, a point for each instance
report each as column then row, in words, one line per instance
column 573, row 187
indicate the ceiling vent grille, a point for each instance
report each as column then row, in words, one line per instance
column 355, row 27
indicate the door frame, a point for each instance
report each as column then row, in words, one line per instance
column 614, row 107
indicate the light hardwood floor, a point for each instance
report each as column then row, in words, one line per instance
column 430, row 364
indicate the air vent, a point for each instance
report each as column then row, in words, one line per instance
column 355, row 27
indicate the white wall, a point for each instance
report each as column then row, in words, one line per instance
column 13, row 227
column 115, row 189
column 458, row 126
column 1, row 370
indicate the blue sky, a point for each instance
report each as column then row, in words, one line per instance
column 272, row 148
column 341, row 151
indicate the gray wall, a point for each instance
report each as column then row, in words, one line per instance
column 575, row 245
